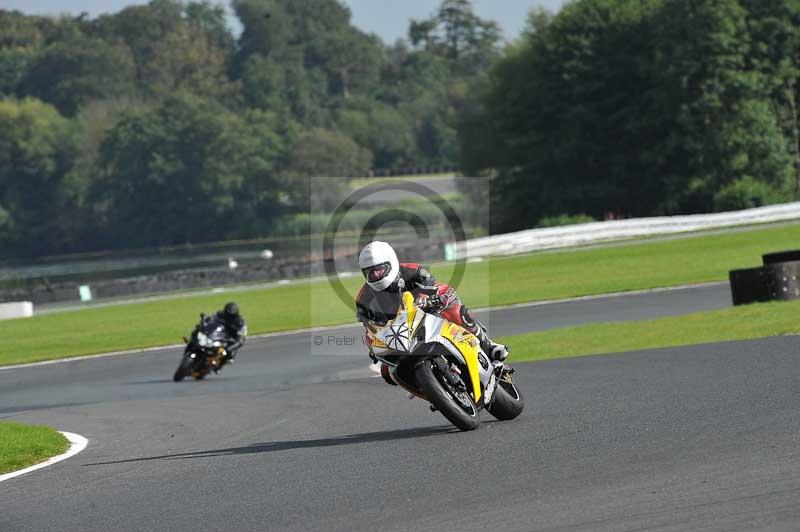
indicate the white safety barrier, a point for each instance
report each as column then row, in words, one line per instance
column 598, row 232
column 17, row 309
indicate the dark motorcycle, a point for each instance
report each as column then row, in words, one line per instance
column 205, row 350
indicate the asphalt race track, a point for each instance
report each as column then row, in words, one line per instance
column 696, row 438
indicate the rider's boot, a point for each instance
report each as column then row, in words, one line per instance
column 497, row 352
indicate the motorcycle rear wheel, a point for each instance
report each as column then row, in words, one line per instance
column 438, row 393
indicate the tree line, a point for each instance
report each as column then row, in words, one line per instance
column 638, row 108
column 157, row 125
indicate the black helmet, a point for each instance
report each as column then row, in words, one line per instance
column 231, row 311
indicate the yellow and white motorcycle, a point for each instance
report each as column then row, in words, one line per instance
column 442, row 363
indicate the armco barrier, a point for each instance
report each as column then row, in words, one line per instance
column 182, row 280
column 597, row 232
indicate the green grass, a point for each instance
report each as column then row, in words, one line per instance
column 737, row 323
column 25, row 445
column 499, row 281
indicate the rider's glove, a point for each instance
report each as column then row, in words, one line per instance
column 433, row 304
column 363, row 315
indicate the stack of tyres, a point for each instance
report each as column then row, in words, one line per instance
column 748, row 286
column 776, row 280
column 781, row 280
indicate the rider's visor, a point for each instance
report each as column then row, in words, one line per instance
column 373, row 274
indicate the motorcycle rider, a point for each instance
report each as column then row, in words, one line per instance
column 235, row 328
column 386, row 276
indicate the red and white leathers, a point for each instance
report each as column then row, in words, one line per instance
column 381, row 306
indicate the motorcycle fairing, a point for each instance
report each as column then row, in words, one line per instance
column 400, row 334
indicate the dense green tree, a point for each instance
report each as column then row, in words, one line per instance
column 20, row 39
column 457, row 33
column 636, row 107
column 142, row 28
column 264, row 28
column 562, row 127
column 189, row 60
column 726, row 127
column 304, row 55
column 264, row 84
column 321, row 152
column 71, row 73
column 37, row 149
column 264, row 142
column 317, row 163
column 284, row 87
column 351, row 60
column 384, row 129
column 183, row 171
column 775, row 53
column 174, row 46
column 92, row 123
column 211, row 21
column 451, row 53
column 155, row 89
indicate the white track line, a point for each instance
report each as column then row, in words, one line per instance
column 352, row 325
column 77, row 444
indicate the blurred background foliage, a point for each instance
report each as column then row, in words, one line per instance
column 157, row 126
column 620, row 108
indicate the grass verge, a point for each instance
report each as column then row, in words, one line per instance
column 500, row 281
column 25, row 445
column 738, row 323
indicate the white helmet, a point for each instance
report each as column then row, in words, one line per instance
column 379, row 264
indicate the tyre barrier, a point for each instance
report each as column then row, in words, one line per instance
column 781, row 256
column 776, row 280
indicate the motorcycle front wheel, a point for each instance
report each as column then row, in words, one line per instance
column 184, row 368
column 508, row 402
column 454, row 404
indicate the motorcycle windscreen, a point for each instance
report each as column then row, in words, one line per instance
column 216, row 331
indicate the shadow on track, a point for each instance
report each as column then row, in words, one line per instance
column 269, row 447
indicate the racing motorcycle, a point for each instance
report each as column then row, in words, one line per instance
column 205, row 350
column 442, row 363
